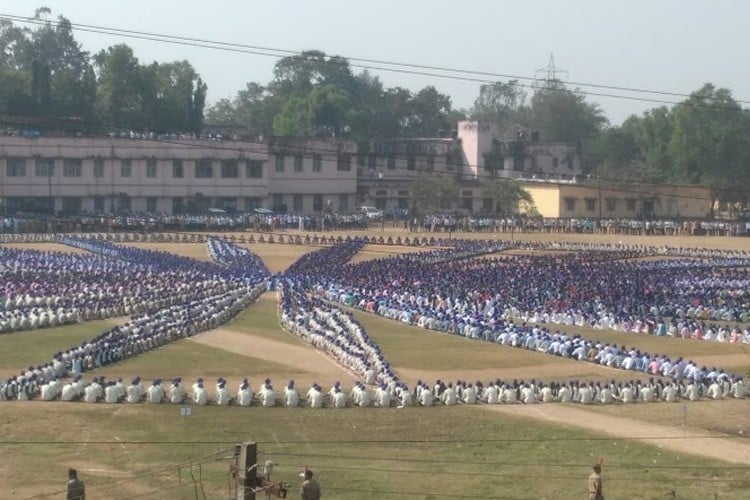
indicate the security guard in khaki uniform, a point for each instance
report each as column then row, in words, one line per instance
column 76, row 488
column 595, row 484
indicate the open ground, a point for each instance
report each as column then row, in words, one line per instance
column 697, row 450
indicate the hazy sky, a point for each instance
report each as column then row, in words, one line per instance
column 672, row 46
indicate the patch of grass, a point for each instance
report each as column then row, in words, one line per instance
column 452, row 451
column 191, row 360
column 262, row 320
column 37, row 346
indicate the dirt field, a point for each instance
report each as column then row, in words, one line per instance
column 254, row 346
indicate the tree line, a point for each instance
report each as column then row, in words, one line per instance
column 705, row 139
column 44, row 72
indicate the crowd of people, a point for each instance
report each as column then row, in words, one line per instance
column 217, row 293
column 604, row 289
column 45, row 385
column 454, row 290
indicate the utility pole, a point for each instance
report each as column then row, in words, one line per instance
column 248, row 475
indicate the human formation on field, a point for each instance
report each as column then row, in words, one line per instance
column 516, row 301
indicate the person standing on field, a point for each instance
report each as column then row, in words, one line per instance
column 595, row 484
column 310, row 489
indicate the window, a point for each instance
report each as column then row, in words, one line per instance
column 518, row 163
column 569, row 163
column 71, row 204
column 298, row 162
column 391, row 165
column 254, row 170
column 178, row 172
column 381, row 192
column 570, row 204
column 590, row 204
column 278, row 202
column 317, row 163
column 228, row 203
column 411, row 163
column 280, row 160
column 403, row 203
column 126, row 168
column 151, row 168
column 178, row 205
column 344, row 163
column 151, row 204
column 403, row 193
column 229, row 169
column 318, row 201
column 611, row 204
column 372, row 161
column 343, row 202
column 297, row 203
column 98, row 168
column 648, row 206
column 251, row 203
column 487, row 204
column 204, row 169
column 430, row 162
column 123, row 203
column 468, row 194
column 361, row 160
column 99, row 203
column 16, row 167
column 44, row 167
column 468, row 204
column 630, row 204
column 71, row 167
column 555, row 162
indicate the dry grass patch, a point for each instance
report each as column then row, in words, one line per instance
column 33, row 347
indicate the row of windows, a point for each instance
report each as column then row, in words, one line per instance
column 73, row 167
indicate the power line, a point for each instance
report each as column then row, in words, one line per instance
column 459, row 176
column 300, row 54
column 281, row 53
column 400, row 458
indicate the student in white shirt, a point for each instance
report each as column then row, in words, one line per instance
column 177, row 392
column 111, row 393
column 291, row 395
column 155, row 393
column 244, row 394
column 200, row 395
column 339, row 398
column 315, row 397
column 222, row 395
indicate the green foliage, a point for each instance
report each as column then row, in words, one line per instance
column 563, row 115
column 506, row 194
column 44, row 72
column 319, row 95
column 432, row 193
column 704, row 140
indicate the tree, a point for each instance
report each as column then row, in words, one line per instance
column 120, row 88
column 431, row 193
column 429, row 113
column 44, row 71
column 506, row 194
column 322, row 112
column 499, row 103
column 563, row 115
